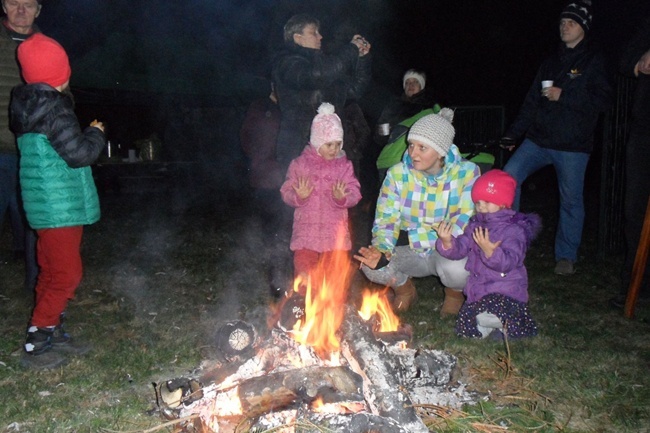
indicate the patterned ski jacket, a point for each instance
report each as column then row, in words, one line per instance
column 415, row 202
column 319, row 219
column 55, row 156
column 504, row 272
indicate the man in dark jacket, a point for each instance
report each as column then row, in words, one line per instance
column 305, row 77
column 559, row 121
column 17, row 26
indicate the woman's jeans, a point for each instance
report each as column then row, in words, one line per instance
column 570, row 168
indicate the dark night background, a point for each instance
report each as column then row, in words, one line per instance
column 141, row 65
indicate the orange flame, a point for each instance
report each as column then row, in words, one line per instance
column 326, row 295
column 376, row 303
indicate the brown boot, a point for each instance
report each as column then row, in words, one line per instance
column 453, row 301
column 405, row 295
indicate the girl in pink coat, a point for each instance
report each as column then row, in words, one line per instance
column 321, row 186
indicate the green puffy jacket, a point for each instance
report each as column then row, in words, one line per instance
column 54, row 195
column 55, row 156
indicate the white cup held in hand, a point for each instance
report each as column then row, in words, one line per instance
column 547, row 83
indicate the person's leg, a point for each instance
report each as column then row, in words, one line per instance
column 527, row 159
column 637, row 191
column 453, row 277
column 570, row 168
column 404, row 263
column 9, row 201
column 60, row 261
column 304, row 261
column 31, row 265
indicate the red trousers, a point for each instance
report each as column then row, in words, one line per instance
column 59, row 258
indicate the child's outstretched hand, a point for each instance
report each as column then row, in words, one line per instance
column 97, row 124
column 304, row 188
column 444, row 233
column 482, row 238
column 339, row 190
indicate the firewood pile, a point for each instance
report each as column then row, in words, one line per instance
column 267, row 381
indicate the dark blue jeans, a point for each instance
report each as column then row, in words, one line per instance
column 570, row 168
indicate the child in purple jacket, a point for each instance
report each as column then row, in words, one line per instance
column 495, row 243
column 321, row 186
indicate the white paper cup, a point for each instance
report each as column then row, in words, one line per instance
column 547, row 83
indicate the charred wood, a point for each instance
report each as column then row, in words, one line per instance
column 370, row 358
column 280, row 390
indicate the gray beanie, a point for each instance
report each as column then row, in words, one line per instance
column 435, row 130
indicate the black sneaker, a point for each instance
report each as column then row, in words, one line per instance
column 38, row 352
column 62, row 342
column 39, row 340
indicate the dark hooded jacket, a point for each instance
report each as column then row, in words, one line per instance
column 55, row 156
column 304, row 78
column 504, row 272
column 399, row 109
column 569, row 123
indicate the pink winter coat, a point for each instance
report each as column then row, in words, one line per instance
column 318, row 218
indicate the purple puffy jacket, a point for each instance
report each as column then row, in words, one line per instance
column 504, row 272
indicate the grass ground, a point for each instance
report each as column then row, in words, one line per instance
column 162, row 271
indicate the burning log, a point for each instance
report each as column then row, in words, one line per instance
column 369, row 358
column 280, row 390
column 308, row 422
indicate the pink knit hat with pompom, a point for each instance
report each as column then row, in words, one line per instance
column 325, row 127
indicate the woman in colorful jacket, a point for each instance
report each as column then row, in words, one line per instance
column 431, row 184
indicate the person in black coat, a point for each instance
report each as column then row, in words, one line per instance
column 305, row 77
column 558, row 122
column 635, row 62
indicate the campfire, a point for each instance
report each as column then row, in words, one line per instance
column 321, row 363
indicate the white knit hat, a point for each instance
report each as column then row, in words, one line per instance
column 435, row 130
column 412, row 73
column 325, row 127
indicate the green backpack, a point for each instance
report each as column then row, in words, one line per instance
column 392, row 153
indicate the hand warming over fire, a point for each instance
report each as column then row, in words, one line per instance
column 369, row 256
column 482, row 238
column 444, row 233
column 304, row 187
column 339, row 190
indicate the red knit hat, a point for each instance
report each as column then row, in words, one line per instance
column 496, row 187
column 43, row 60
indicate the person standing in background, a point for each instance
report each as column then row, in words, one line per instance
column 17, row 25
column 257, row 137
column 305, row 77
column 558, row 122
column 635, row 62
